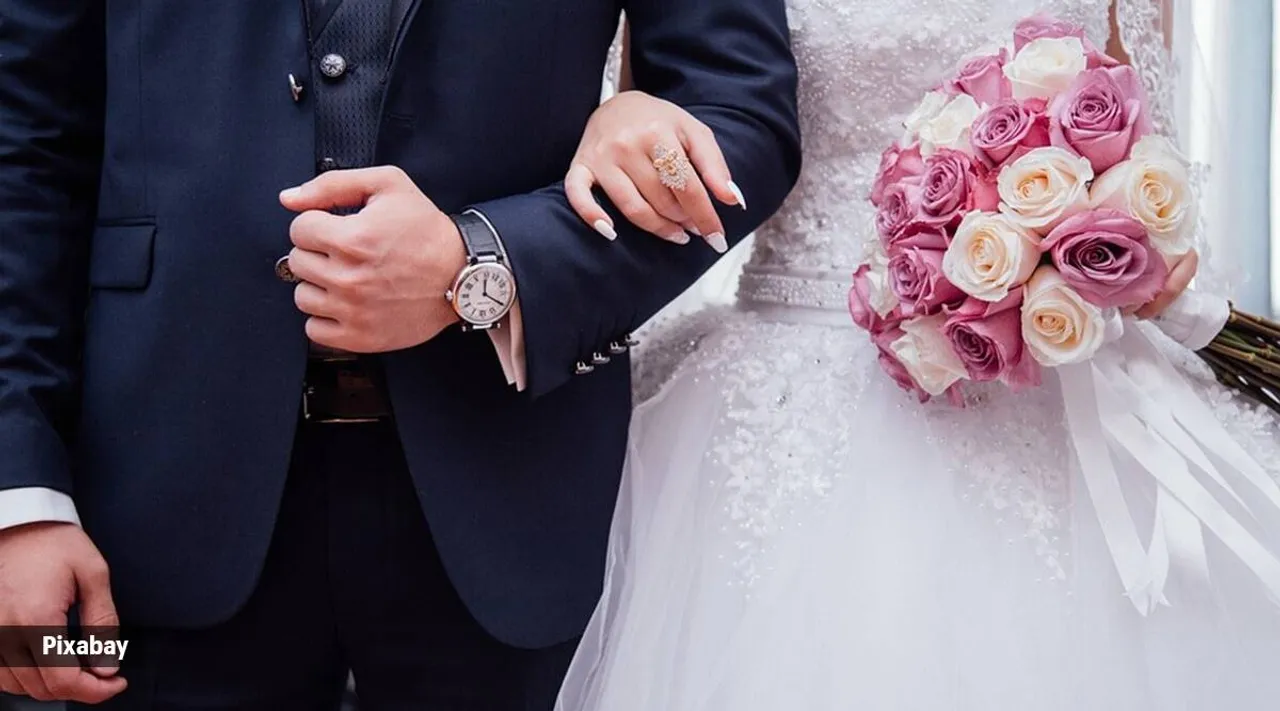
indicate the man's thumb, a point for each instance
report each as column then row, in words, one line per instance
column 98, row 610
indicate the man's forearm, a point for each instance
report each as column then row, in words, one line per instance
column 51, row 110
column 579, row 292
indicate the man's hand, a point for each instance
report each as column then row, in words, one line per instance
column 373, row 281
column 44, row 569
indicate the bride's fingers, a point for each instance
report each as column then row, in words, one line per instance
column 688, row 189
column 1179, row 279
column 577, row 187
column 704, row 151
column 643, row 175
column 627, row 198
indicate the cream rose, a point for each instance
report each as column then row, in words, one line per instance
column 1058, row 325
column 928, row 107
column 1154, row 186
column 926, row 353
column 1045, row 67
column 950, row 127
column 1044, row 187
column 880, row 295
column 989, row 256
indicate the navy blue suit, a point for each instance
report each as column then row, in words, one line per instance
column 151, row 362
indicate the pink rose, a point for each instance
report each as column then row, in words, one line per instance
column 916, row 278
column 982, row 78
column 918, row 235
column 1101, row 116
column 862, row 307
column 1044, row 26
column 899, row 207
column 894, row 367
column 1107, row 257
column 953, row 185
column 1008, row 130
column 988, row 338
column 896, row 163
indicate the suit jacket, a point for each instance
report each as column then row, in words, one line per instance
column 151, row 362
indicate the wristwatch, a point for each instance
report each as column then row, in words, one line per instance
column 485, row 289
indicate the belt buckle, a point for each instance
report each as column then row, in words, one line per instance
column 309, row 417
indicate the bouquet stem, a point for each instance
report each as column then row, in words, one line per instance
column 1246, row 356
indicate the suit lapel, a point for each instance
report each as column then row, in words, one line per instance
column 406, row 10
column 319, row 12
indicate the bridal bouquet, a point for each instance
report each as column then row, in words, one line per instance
column 1025, row 211
column 1027, row 207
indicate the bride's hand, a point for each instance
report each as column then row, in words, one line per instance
column 623, row 150
column 1181, row 272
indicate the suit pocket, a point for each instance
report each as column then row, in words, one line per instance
column 120, row 257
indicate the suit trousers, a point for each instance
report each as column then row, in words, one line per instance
column 352, row 581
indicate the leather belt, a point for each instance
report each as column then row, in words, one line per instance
column 344, row 390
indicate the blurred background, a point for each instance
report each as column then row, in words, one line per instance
column 1229, row 56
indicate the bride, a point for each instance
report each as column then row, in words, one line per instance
column 794, row 532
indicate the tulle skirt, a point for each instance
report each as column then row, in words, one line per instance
column 794, row 533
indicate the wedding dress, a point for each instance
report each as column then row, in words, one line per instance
column 795, row 533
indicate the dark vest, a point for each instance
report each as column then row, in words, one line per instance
column 351, row 43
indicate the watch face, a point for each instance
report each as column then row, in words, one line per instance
column 484, row 294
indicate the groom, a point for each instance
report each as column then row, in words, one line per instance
column 188, row 438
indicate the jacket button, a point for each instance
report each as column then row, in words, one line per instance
column 283, row 271
column 326, row 164
column 333, row 66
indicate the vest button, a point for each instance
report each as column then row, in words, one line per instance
column 333, row 65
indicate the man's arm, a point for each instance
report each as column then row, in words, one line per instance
column 51, row 108
column 729, row 63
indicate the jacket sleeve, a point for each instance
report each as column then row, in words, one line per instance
column 729, row 63
column 51, row 112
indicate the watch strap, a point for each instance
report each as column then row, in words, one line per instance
column 479, row 237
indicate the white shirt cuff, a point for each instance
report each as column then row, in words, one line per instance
column 35, row 504
column 508, row 341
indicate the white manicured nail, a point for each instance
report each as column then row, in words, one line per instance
column 737, row 193
column 606, row 229
column 680, row 237
column 694, row 230
column 717, row 243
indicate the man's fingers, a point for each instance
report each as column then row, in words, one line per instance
column 8, row 682
column 326, row 332
column 309, row 266
column 338, row 189
column 97, row 608
column 627, row 198
column 314, row 301
column 29, row 679
column 316, row 230
column 705, row 154
column 75, row 684
column 577, row 187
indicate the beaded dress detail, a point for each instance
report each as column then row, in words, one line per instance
column 795, row 532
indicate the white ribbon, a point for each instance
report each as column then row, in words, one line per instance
column 1131, row 413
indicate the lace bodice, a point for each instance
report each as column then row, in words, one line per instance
column 864, row 65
